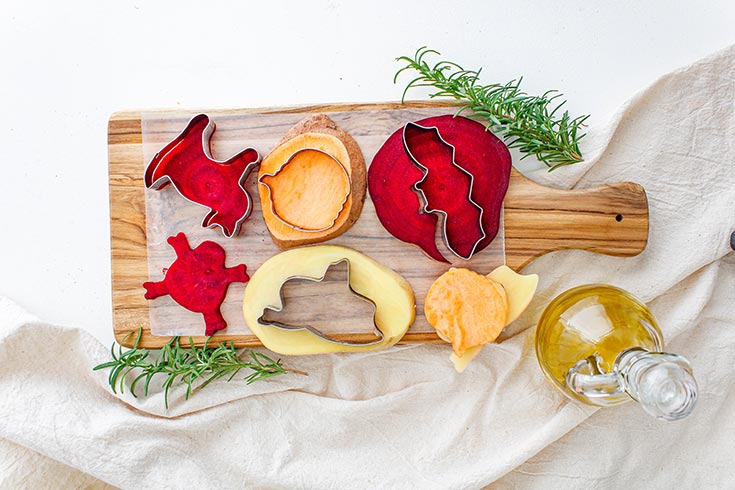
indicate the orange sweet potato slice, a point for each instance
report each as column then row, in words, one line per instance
column 309, row 191
column 466, row 308
column 304, row 201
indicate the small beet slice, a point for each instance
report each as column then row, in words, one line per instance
column 198, row 280
column 391, row 178
column 391, row 182
column 186, row 163
column 446, row 188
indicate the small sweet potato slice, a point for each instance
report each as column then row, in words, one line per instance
column 466, row 308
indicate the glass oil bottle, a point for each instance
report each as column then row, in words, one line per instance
column 600, row 345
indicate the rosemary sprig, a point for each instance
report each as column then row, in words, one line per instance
column 177, row 363
column 533, row 124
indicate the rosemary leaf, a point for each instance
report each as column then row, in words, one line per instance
column 532, row 124
column 186, row 365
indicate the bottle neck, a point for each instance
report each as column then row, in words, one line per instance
column 662, row 383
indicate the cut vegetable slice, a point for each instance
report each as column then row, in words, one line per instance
column 392, row 177
column 487, row 158
column 309, row 191
column 198, row 280
column 302, row 185
column 391, row 294
column 457, row 306
column 467, row 308
column 446, row 188
column 519, row 289
column 187, row 164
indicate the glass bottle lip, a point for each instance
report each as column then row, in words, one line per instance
column 672, row 400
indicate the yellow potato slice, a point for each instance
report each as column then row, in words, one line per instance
column 519, row 288
column 391, row 293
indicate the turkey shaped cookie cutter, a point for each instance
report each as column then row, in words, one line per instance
column 262, row 179
column 280, row 307
column 219, row 185
column 455, row 221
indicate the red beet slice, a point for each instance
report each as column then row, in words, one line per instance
column 392, row 175
column 198, row 280
column 187, row 163
column 446, row 188
column 391, row 178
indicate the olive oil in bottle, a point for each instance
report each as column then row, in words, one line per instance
column 600, row 345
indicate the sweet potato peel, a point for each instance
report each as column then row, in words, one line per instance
column 393, row 176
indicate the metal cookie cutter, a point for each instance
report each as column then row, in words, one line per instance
column 277, row 308
column 426, row 208
column 284, row 165
column 187, row 164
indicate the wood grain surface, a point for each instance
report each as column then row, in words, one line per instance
column 610, row 219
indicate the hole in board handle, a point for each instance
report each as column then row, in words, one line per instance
column 619, row 218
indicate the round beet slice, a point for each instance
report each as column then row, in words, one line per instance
column 391, row 177
column 393, row 174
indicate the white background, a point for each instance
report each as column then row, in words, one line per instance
column 66, row 66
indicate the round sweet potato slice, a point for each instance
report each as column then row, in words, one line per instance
column 309, row 191
column 321, row 134
column 466, row 308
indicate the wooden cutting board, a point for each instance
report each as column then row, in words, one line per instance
column 610, row 219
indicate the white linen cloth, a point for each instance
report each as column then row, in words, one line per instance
column 403, row 418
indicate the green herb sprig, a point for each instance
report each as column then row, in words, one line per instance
column 533, row 124
column 186, row 365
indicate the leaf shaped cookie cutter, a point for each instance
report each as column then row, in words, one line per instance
column 221, row 189
column 284, row 165
column 425, row 201
column 284, row 326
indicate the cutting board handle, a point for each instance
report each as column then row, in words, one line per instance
column 611, row 219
